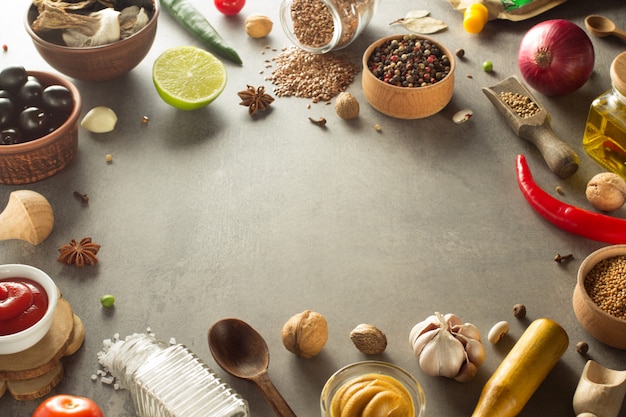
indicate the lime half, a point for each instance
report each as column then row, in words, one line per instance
column 188, row 77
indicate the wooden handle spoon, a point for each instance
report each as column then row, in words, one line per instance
column 603, row 26
column 241, row 351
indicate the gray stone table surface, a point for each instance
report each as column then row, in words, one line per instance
column 211, row 213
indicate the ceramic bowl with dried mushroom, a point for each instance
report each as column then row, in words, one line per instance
column 599, row 300
column 112, row 43
column 30, row 294
column 40, row 158
column 408, row 76
column 376, row 385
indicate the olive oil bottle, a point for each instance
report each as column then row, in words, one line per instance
column 605, row 132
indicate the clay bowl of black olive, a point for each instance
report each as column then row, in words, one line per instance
column 39, row 114
column 408, row 76
column 599, row 301
column 102, row 62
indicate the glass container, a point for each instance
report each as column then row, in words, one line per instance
column 359, row 369
column 170, row 380
column 605, row 131
column 319, row 26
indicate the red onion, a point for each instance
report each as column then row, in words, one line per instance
column 556, row 57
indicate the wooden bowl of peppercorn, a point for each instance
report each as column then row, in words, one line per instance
column 599, row 298
column 408, row 76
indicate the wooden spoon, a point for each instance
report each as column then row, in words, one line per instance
column 603, row 26
column 241, row 351
column 28, row 216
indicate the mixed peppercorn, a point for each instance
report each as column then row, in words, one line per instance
column 409, row 62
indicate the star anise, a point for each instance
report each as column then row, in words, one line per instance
column 79, row 253
column 255, row 99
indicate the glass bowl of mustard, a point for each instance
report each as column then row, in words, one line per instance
column 372, row 388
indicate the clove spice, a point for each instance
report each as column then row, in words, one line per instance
column 82, row 197
column 320, row 122
column 562, row 258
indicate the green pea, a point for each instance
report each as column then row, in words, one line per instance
column 487, row 66
column 107, row 300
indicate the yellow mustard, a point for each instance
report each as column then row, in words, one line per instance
column 372, row 395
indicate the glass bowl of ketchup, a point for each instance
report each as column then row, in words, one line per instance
column 28, row 298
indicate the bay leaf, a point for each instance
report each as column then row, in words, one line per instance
column 424, row 25
column 413, row 14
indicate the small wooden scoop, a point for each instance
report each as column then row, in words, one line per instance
column 600, row 391
column 561, row 159
column 28, row 216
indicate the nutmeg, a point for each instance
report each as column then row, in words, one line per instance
column 347, row 106
column 258, row 26
column 369, row 339
column 305, row 334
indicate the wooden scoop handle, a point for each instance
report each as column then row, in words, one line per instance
column 560, row 157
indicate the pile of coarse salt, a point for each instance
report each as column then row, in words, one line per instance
column 106, row 355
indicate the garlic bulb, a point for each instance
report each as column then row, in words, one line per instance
column 445, row 346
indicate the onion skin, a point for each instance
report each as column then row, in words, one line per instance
column 556, row 57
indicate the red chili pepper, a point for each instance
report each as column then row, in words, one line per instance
column 589, row 224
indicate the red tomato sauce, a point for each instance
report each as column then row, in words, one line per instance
column 23, row 302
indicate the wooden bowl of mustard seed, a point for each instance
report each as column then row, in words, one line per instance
column 600, row 295
column 408, row 76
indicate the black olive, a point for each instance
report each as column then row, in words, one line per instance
column 33, row 122
column 10, row 136
column 7, row 111
column 58, row 99
column 54, row 121
column 6, row 94
column 30, row 93
column 12, row 78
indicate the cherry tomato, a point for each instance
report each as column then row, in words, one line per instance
column 230, row 7
column 64, row 405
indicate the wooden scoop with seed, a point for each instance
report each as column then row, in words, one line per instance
column 532, row 123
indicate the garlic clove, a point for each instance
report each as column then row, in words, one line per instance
column 443, row 356
column 468, row 371
column 453, row 320
column 423, row 339
column 99, row 120
column 475, row 352
column 468, row 330
column 430, row 323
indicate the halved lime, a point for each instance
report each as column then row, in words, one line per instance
column 188, row 77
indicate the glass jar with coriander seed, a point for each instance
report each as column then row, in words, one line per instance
column 320, row 26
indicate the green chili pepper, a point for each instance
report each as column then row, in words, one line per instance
column 192, row 20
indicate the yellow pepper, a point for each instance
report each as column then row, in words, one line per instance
column 475, row 18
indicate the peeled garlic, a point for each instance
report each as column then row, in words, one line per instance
column 99, row 120
column 445, row 346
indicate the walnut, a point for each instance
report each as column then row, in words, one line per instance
column 258, row 25
column 347, row 106
column 305, row 334
column 606, row 191
column 368, row 339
